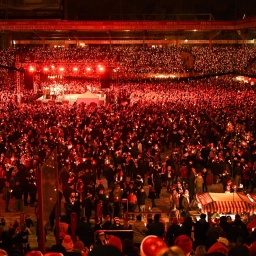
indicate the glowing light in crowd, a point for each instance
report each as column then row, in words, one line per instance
column 61, row 69
column 46, row 69
column 75, row 69
column 31, row 69
column 88, row 69
column 162, row 76
column 100, row 68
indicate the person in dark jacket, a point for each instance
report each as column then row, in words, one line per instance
column 84, row 232
column 6, row 195
column 173, row 231
column 157, row 228
column 17, row 193
column 152, row 196
column 201, row 228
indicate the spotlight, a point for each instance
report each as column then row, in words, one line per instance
column 31, row 69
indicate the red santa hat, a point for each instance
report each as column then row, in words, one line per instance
column 67, row 243
column 53, row 254
column 184, row 242
column 115, row 241
column 3, row 252
column 117, row 221
column 218, row 247
column 152, row 245
column 34, row 253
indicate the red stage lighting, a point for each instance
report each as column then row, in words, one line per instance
column 31, row 69
column 101, row 68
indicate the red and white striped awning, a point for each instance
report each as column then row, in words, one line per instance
column 226, row 203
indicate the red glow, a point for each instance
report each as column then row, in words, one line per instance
column 88, row 69
column 101, row 68
column 61, row 69
column 31, row 69
column 75, row 69
column 46, row 69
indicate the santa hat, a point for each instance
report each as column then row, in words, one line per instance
column 79, row 245
column 218, row 247
column 3, row 252
column 67, row 243
column 152, row 245
column 53, row 254
column 115, row 241
column 184, row 242
column 34, row 253
column 117, row 221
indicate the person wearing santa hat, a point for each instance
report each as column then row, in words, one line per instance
column 152, row 245
column 34, row 253
column 185, row 243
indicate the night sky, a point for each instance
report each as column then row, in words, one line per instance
column 128, row 9
column 160, row 9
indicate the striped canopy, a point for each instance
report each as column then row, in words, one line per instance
column 226, row 203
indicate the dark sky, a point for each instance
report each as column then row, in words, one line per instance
column 163, row 9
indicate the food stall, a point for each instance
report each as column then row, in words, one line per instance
column 226, row 203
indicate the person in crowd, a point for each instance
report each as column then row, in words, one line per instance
column 209, row 180
column 107, row 223
column 191, row 183
column 142, row 196
column 140, row 231
column 100, row 239
column 185, row 243
column 184, row 203
column 84, row 232
column 6, row 195
column 201, row 228
column 156, row 228
column 173, row 231
column 152, row 196
column 199, row 181
column 17, row 193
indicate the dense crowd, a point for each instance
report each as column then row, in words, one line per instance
column 138, row 61
column 207, row 125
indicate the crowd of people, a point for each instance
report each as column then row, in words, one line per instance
column 133, row 61
column 207, row 125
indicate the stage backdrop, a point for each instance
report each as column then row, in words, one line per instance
column 88, row 98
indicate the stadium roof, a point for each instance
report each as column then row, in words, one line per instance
column 70, row 21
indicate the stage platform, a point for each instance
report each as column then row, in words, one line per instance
column 86, row 98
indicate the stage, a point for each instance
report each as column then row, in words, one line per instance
column 86, row 98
